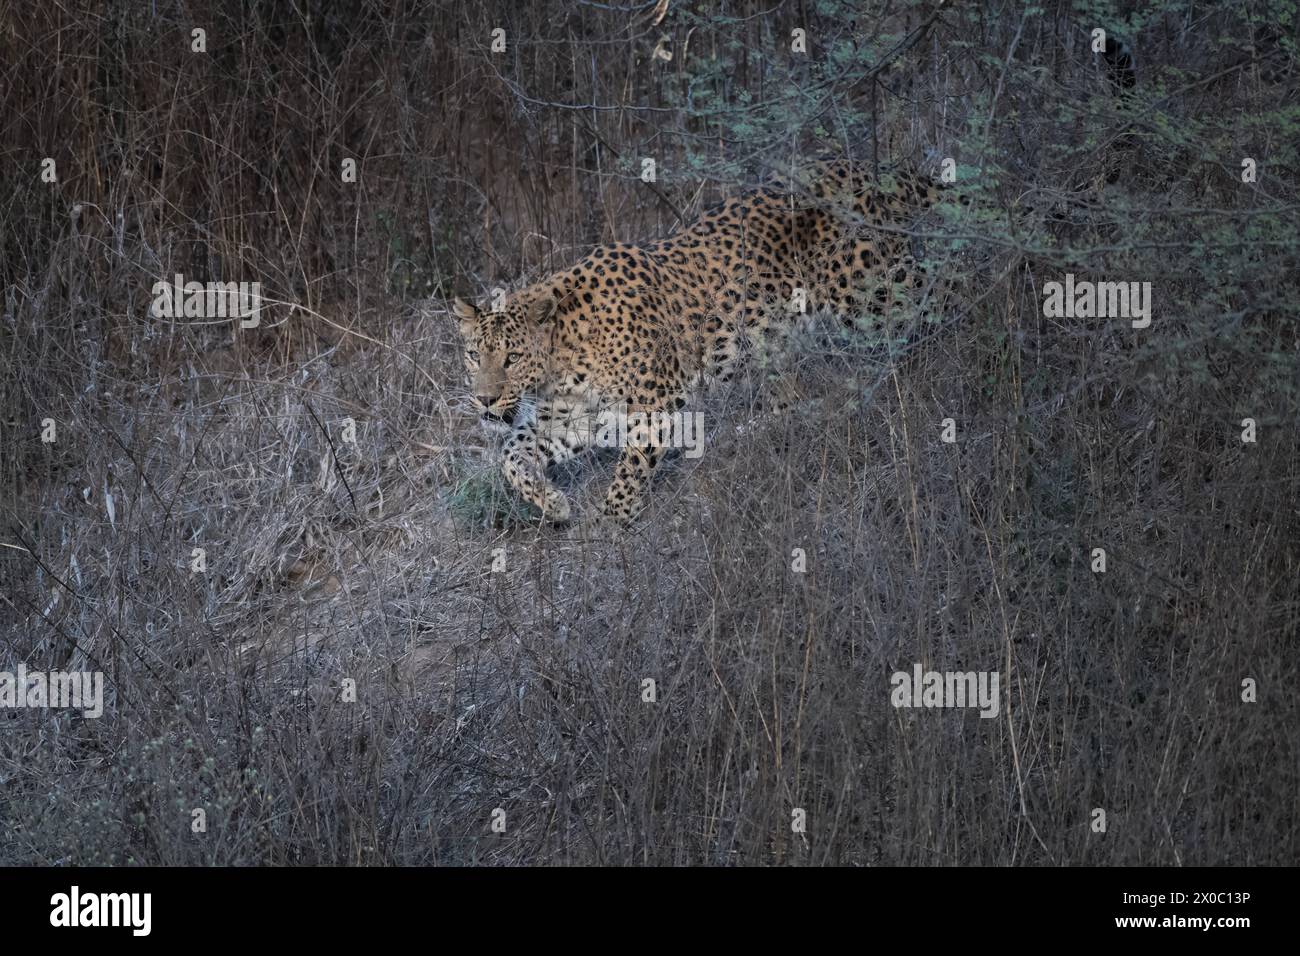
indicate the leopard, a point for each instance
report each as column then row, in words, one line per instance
column 636, row 330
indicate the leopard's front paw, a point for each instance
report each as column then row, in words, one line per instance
column 595, row 526
column 556, row 509
column 620, row 513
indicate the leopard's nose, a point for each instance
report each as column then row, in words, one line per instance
column 488, row 400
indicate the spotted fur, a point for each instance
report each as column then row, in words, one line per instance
column 639, row 328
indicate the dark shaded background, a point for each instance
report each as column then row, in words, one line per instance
column 521, row 689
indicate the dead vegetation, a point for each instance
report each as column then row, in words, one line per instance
column 499, row 664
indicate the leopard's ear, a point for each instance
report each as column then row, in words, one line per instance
column 463, row 310
column 543, row 308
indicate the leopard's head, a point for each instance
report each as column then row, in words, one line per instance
column 505, row 350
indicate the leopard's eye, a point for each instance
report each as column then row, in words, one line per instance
column 512, row 358
column 471, row 355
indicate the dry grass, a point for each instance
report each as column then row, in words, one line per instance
column 521, row 688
